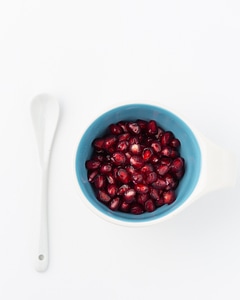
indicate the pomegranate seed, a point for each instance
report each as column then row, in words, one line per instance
column 105, row 168
column 169, row 152
column 175, row 143
column 149, row 205
column 92, row 164
column 115, row 129
column 166, row 161
column 162, row 169
column 171, row 182
column 142, row 123
column 123, row 188
column 136, row 161
column 98, row 144
column 159, row 202
column 129, row 195
column 154, row 194
column 154, row 159
column 125, row 207
column 156, row 146
column 137, row 177
column 111, row 190
column 118, row 158
column 141, row 188
column 130, row 169
column 123, row 125
column 177, row 165
column 159, row 184
column 142, row 198
column 151, row 177
column 123, row 176
column 169, row 197
column 103, row 196
column 152, row 127
column 147, row 168
column 179, row 174
column 166, row 138
column 122, row 146
column 115, row 203
column 91, row 175
column 124, row 137
column 136, row 209
column 99, row 181
column 159, row 133
column 147, row 153
column 111, row 179
column 110, row 141
column 135, row 148
column 133, row 140
column 134, row 127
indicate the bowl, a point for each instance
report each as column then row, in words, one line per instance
column 200, row 155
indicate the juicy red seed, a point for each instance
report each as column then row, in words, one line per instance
column 103, row 196
column 169, row 152
column 169, row 197
column 92, row 164
column 142, row 198
column 125, row 207
column 159, row 184
column 135, row 148
column 98, row 144
column 130, row 169
column 118, row 158
column 136, row 209
column 154, row 194
column 136, row 161
column 171, row 181
column 147, row 168
column 179, row 174
column 115, row 203
column 142, row 123
column 105, row 168
column 141, row 188
column 166, row 161
column 124, row 137
column 149, row 205
column 123, row 125
column 156, row 146
column 92, row 175
column 162, row 169
column 123, row 188
column 159, row 133
column 177, row 165
column 147, row 153
column 115, row 129
column 111, row 190
column 152, row 127
column 122, row 146
column 129, row 195
column 99, row 181
column 123, row 176
column 175, row 143
column 134, row 127
column 159, row 202
column 137, row 177
column 151, row 177
column 111, row 179
column 133, row 140
column 110, row 141
column 166, row 138
column 154, row 159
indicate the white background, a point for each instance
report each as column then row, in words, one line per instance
column 92, row 55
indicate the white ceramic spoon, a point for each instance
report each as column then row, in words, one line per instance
column 45, row 115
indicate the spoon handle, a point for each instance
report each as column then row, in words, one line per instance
column 42, row 255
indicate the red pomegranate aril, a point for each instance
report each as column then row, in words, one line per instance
column 134, row 128
column 159, row 202
column 115, row 203
column 177, row 165
column 129, row 195
column 92, row 164
column 125, row 207
column 147, row 168
column 136, row 209
column 123, row 125
column 152, row 127
column 111, row 179
column 135, row 148
column 169, row 197
column 169, row 152
column 123, row 188
column 112, row 190
column 122, row 146
column 123, row 175
column 142, row 198
column 175, row 143
column 166, row 161
column 103, row 196
column 98, row 143
column 141, row 188
column 154, row 194
column 124, row 136
column 118, row 158
column 159, row 133
column 142, row 123
column 92, row 174
column 115, row 129
column 105, row 168
column 156, row 146
column 166, row 138
column 162, row 169
column 136, row 161
column 137, row 177
column 149, row 205
column 154, row 159
column 151, row 177
column 110, row 141
column 159, row 184
column 133, row 140
column 99, row 181
column 171, row 181
column 147, row 153
column 179, row 174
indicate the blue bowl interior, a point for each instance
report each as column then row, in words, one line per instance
column 189, row 150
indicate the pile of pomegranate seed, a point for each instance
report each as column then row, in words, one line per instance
column 135, row 167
